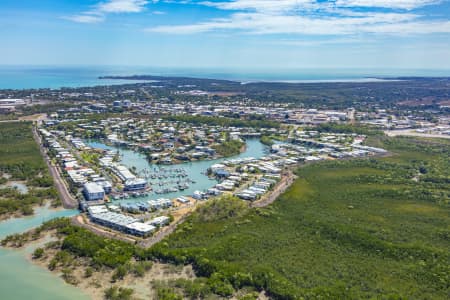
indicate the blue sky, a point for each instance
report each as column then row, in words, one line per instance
column 256, row 34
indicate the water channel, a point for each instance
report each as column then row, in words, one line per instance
column 21, row 279
column 195, row 170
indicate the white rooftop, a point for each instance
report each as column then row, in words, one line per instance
column 92, row 187
column 141, row 227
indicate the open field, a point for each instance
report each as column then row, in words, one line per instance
column 409, row 132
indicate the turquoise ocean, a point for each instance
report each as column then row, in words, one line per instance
column 27, row 77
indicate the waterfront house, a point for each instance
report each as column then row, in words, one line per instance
column 135, row 184
column 93, row 192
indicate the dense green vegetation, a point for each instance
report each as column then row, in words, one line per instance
column 229, row 148
column 269, row 139
column 337, row 95
column 19, row 153
column 118, row 293
column 266, row 140
column 346, row 128
column 7, row 117
column 20, row 158
column 123, row 258
column 119, row 257
column 344, row 230
column 222, row 121
column 11, row 200
column 38, row 253
column 198, row 288
column 354, row 229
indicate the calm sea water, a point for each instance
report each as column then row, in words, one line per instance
column 20, row 279
column 23, row 77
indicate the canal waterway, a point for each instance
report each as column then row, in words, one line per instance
column 195, row 170
column 21, row 279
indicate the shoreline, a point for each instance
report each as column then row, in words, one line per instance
column 20, row 215
column 174, row 162
column 95, row 285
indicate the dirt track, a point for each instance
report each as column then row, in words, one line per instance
column 416, row 134
column 79, row 221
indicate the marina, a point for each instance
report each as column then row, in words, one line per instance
column 172, row 181
column 128, row 179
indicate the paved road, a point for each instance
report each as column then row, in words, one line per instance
column 79, row 221
column 66, row 197
column 279, row 189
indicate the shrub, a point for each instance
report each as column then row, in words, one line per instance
column 38, row 253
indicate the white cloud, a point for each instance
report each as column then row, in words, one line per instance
column 122, row 6
column 327, row 41
column 283, row 5
column 399, row 4
column 98, row 12
column 310, row 17
column 85, row 18
column 260, row 23
column 262, row 5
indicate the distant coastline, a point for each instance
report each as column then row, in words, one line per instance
column 57, row 77
column 248, row 81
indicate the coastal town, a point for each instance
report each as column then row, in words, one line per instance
column 225, row 150
column 143, row 168
column 150, row 161
column 136, row 175
column 419, row 114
